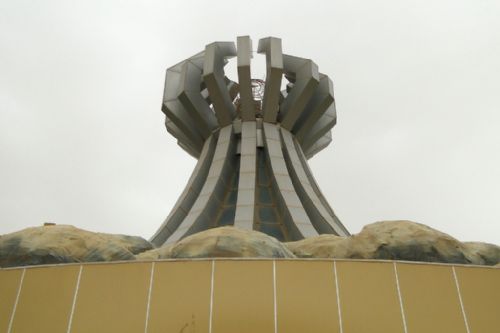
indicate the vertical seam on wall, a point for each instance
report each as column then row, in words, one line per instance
column 211, row 297
column 338, row 296
column 149, row 296
column 16, row 301
column 274, row 298
column 75, row 295
column 403, row 317
column 466, row 322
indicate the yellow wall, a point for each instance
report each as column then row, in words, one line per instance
column 264, row 296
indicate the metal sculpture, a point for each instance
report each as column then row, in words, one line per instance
column 252, row 141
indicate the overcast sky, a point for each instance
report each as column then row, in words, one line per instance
column 417, row 86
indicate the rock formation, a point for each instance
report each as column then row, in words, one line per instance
column 398, row 240
column 392, row 240
column 65, row 244
column 222, row 242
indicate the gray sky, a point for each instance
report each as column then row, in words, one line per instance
column 82, row 139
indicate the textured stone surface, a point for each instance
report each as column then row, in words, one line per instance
column 63, row 244
column 223, row 242
column 163, row 252
column 393, row 240
column 323, row 246
column 489, row 254
column 397, row 240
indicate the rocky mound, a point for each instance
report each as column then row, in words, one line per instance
column 64, row 244
column 397, row 240
column 393, row 240
column 223, row 242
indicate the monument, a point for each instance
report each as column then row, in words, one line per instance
column 252, row 139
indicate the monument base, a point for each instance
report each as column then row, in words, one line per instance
column 250, row 295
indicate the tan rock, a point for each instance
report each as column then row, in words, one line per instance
column 406, row 240
column 163, row 252
column 52, row 244
column 398, row 240
column 395, row 240
column 488, row 253
column 322, row 246
column 223, row 242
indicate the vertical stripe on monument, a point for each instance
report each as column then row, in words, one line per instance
column 274, row 63
column 210, row 198
column 295, row 217
column 188, row 196
column 245, row 207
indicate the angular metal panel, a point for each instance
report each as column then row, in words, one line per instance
column 244, row 46
column 183, row 141
column 188, row 196
column 245, row 205
column 320, row 101
column 324, row 124
column 268, row 217
column 319, row 145
column 317, row 190
column 323, row 221
column 203, row 212
column 213, row 76
column 306, row 79
column 293, row 211
column 191, row 98
column 271, row 46
column 178, row 115
column 175, row 111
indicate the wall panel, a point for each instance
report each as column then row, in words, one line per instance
column 112, row 298
column 369, row 291
column 180, row 297
column 430, row 299
column 9, row 284
column 243, row 297
column 480, row 290
column 306, row 297
column 45, row 299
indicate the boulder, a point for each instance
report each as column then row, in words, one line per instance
column 392, row 240
column 54, row 244
column 134, row 244
column 397, row 240
column 489, row 254
column 162, row 252
column 222, row 242
column 323, row 246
